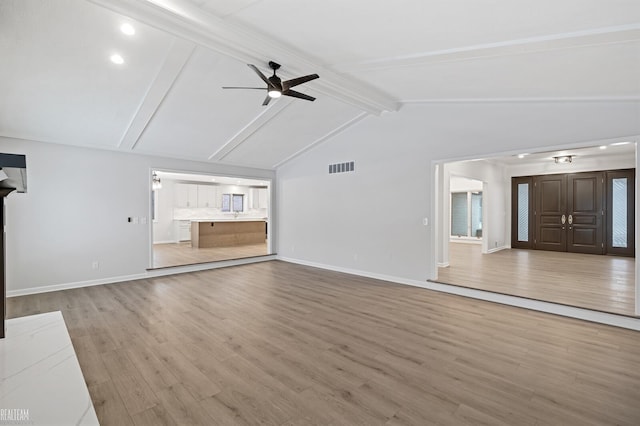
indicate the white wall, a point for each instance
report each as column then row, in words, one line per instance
column 462, row 184
column 371, row 221
column 76, row 209
column 164, row 229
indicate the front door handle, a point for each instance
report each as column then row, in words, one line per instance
column 564, row 219
column 570, row 219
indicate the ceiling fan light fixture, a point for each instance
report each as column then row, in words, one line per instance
column 276, row 87
column 563, row 159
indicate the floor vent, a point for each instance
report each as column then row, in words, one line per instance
column 342, row 167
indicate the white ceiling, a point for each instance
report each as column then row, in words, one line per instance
column 58, row 84
column 600, row 152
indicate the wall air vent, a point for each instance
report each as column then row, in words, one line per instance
column 342, row 167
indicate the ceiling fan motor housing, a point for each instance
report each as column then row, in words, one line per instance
column 274, row 66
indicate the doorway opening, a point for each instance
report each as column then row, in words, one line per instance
column 199, row 218
column 511, row 261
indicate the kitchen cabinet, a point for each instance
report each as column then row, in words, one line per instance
column 184, row 230
column 207, row 195
column 259, row 198
column 186, row 195
column 227, row 233
column 263, row 198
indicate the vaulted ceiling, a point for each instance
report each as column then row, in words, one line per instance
column 58, row 85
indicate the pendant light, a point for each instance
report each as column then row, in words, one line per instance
column 155, row 182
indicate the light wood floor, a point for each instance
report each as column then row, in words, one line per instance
column 178, row 254
column 281, row 344
column 604, row 283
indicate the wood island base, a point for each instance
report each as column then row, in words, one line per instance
column 227, row 233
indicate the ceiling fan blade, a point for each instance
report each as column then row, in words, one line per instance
column 266, row 100
column 296, row 81
column 262, row 76
column 252, row 88
column 299, row 95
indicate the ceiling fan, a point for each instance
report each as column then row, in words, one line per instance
column 276, row 87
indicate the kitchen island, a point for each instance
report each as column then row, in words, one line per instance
column 227, row 232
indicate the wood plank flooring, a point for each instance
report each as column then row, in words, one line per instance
column 603, row 283
column 178, row 254
column 281, row 344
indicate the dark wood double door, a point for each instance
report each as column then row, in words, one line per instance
column 574, row 212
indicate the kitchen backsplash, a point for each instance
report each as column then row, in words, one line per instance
column 213, row 213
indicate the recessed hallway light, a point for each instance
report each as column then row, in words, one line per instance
column 522, row 155
column 127, row 29
column 603, row 147
column 117, row 59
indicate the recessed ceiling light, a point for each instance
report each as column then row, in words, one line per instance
column 522, row 155
column 603, row 147
column 620, row 143
column 117, row 59
column 213, row 179
column 127, row 29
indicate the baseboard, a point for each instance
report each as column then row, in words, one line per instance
column 465, row 240
column 358, row 272
column 166, row 242
column 77, row 284
column 496, row 249
column 615, row 320
column 148, row 274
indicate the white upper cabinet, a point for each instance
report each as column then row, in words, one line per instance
column 186, row 195
column 263, row 198
column 258, row 198
column 207, row 195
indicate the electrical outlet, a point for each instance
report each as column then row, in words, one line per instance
column 425, row 221
column 95, row 265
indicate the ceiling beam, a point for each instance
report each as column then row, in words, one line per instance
column 263, row 118
column 592, row 37
column 187, row 21
column 174, row 63
column 351, row 122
